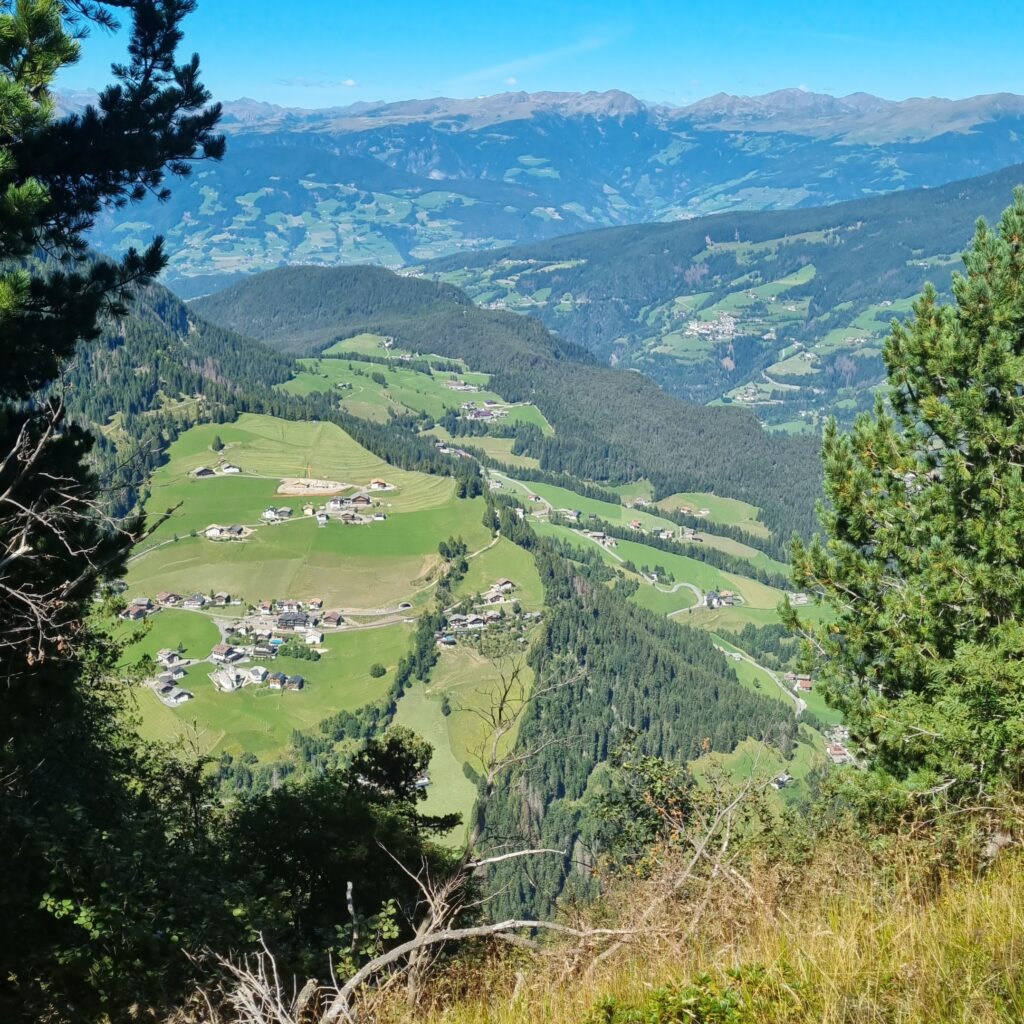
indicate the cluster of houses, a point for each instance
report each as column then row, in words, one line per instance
column 468, row 623
column 498, row 593
column 687, row 510
column 276, row 515
column 227, row 680
column 138, row 608
column 721, row 599
column 298, row 616
column 293, row 620
column 170, row 694
column 216, row 532
column 173, row 666
column 460, row 385
column 575, row 516
column 685, row 533
column 838, row 753
column 722, row 328
column 490, row 410
column 356, row 509
column 194, row 602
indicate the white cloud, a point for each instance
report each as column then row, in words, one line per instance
column 511, row 80
column 535, row 60
column 317, row 83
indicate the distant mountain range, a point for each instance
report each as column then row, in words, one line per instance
column 859, row 116
column 400, row 183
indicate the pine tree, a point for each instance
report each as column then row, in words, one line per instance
column 81, row 812
column 923, row 565
column 56, row 176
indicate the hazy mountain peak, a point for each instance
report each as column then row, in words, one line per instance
column 782, row 102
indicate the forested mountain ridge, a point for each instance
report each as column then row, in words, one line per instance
column 396, row 184
column 154, row 372
column 610, row 425
column 784, row 311
column 329, row 303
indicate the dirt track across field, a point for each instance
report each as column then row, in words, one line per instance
column 306, row 486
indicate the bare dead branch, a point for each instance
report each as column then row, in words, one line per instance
column 340, row 1006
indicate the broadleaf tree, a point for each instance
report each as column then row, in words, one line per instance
column 922, row 564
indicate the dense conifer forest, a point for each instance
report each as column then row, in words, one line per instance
column 607, row 671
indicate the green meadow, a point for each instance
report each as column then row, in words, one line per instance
column 760, row 601
column 169, row 628
column 620, row 515
column 512, row 562
column 403, row 390
column 727, row 511
column 369, row 566
column 759, row 763
column 467, row 679
column 261, row 720
column 497, row 448
column 366, row 567
column 756, row 558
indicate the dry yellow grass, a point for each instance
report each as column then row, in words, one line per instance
column 837, row 945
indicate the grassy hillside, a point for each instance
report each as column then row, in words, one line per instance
column 609, row 425
column 842, row 941
column 367, row 571
column 261, row 721
column 782, row 311
column 375, row 566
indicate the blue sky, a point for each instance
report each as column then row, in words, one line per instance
column 327, row 52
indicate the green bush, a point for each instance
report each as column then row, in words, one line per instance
column 743, row 999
